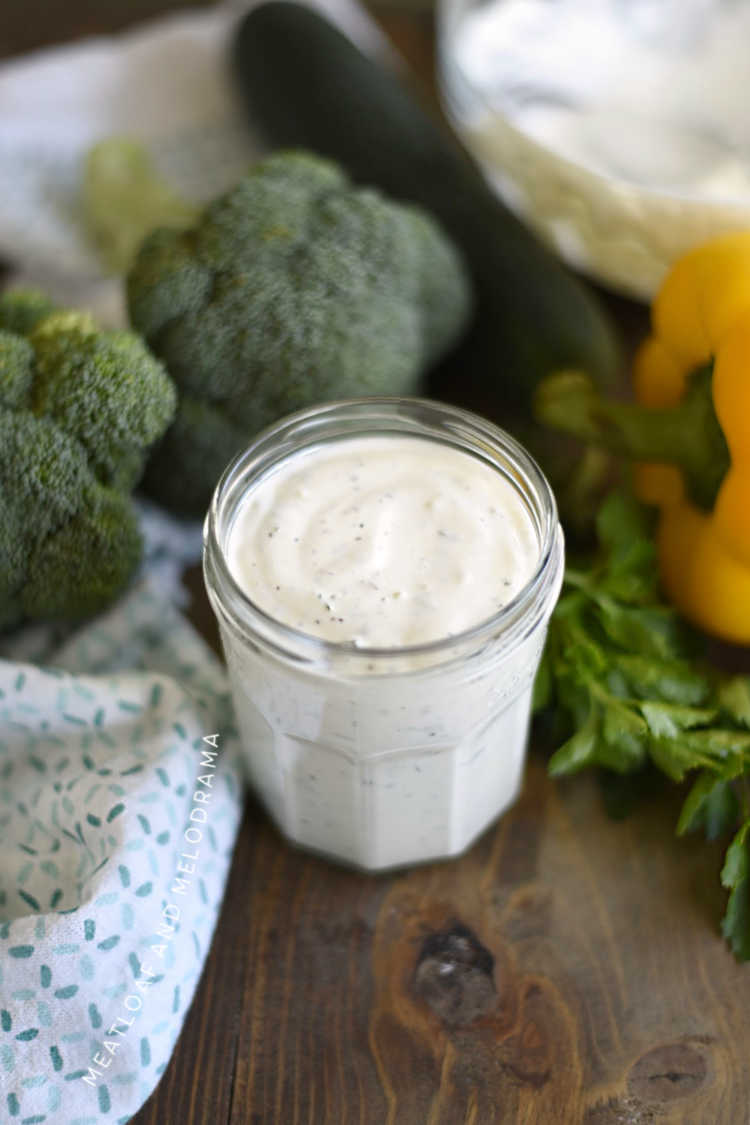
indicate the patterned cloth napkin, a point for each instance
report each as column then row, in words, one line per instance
column 120, row 798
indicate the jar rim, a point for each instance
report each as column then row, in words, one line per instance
column 377, row 415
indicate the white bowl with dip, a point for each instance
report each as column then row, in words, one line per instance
column 383, row 572
column 618, row 128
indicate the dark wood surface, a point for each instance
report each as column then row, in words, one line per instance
column 568, row 969
column 27, row 24
column 587, row 984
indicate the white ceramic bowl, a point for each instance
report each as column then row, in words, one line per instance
column 625, row 211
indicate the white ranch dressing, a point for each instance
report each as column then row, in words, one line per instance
column 383, row 541
column 386, row 756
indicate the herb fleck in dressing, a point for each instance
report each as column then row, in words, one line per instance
column 382, row 541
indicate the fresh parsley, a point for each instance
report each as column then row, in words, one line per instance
column 629, row 679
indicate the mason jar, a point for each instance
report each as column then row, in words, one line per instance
column 383, row 757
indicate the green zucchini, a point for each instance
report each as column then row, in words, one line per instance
column 306, row 85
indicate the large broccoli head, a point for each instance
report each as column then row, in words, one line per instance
column 79, row 408
column 293, row 288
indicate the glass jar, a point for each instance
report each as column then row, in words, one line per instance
column 384, row 757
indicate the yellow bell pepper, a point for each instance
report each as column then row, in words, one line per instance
column 702, row 315
column 689, row 431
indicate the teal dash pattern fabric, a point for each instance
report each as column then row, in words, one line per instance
column 120, row 798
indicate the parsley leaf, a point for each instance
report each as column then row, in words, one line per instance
column 735, row 875
column 711, row 805
column 734, row 697
column 624, row 671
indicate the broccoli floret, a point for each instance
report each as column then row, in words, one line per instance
column 78, row 409
column 170, row 282
column 124, row 198
column 191, row 442
column 22, row 309
column 75, row 571
column 105, row 388
column 13, row 554
column 293, row 288
column 16, row 369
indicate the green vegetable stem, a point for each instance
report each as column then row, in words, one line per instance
column 687, row 435
column 124, row 198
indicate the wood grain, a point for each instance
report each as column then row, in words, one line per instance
column 567, row 969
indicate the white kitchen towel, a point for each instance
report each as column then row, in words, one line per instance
column 167, row 83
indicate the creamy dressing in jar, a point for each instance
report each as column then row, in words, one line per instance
column 382, row 541
column 383, row 733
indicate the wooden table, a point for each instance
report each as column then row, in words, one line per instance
column 568, row 969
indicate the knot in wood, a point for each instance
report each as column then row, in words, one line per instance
column 665, row 1073
column 454, row 975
